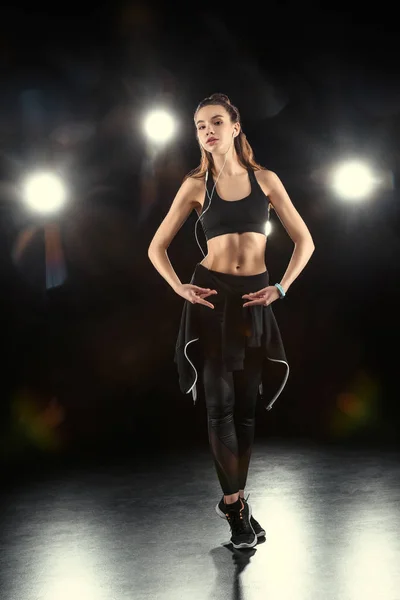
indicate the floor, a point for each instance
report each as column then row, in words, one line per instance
column 146, row 528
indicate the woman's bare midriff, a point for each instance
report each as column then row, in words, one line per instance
column 236, row 253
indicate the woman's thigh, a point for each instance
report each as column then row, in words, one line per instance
column 247, row 381
column 218, row 388
column 232, row 391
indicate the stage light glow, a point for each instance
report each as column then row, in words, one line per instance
column 353, row 180
column 159, row 126
column 44, row 192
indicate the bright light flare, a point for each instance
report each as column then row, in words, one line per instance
column 353, row 180
column 159, row 126
column 44, row 192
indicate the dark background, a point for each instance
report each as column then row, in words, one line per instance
column 87, row 367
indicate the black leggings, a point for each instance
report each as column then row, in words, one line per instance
column 231, row 399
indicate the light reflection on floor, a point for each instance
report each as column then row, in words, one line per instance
column 128, row 533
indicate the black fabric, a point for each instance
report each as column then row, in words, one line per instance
column 223, row 216
column 231, row 404
column 227, row 330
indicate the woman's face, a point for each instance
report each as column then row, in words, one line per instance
column 215, row 129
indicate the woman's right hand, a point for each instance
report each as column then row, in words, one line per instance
column 195, row 294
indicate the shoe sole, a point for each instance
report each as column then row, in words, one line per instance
column 243, row 544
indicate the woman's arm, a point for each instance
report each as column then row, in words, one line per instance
column 294, row 225
column 179, row 211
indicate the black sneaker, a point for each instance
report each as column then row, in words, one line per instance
column 238, row 516
column 258, row 530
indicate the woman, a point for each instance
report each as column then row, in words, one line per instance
column 236, row 334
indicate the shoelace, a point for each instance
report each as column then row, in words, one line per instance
column 237, row 516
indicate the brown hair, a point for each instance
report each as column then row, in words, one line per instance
column 243, row 149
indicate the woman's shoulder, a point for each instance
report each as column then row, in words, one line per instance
column 261, row 170
column 192, row 188
column 264, row 174
column 194, row 182
column 266, row 178
column 195, row 176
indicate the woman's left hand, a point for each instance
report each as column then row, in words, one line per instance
column 264, row 296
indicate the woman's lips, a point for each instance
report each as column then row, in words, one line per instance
column 212, row 141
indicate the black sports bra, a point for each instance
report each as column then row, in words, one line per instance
column 236, row 216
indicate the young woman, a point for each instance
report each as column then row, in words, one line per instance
column 232, row 338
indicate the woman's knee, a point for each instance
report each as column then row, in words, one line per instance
column 220, row 419
column 219, row 389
